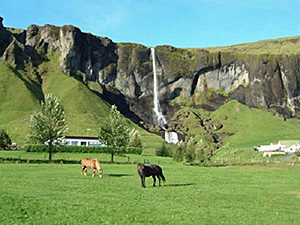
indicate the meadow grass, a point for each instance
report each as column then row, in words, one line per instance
column 58, row 194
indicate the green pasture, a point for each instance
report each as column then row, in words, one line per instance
column 58, row 194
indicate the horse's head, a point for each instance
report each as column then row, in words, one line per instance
column 100, row 174
column 100, row 171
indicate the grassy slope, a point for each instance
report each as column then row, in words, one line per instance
column 283, row 46
column 17, row 102
column 250, row 127
column 254, row 126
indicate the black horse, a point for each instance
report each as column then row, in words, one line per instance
column 147, row 171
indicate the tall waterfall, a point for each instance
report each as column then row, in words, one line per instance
column 159, row 119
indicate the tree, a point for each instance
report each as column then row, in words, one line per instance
column 48, row 124
column 165, row 150
column 135, row 139
column 190, row 152
column 114, row 133
column 179, row 151
column 5, row 140
column 204, row 152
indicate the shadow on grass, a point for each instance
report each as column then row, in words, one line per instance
column 179, row 185
column 118, row 175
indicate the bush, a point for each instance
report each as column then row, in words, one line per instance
column 204, row 152
column 77, row 149
column 164, row 150
column 5, row 140
column 190, row 152
column 134, row 150
column 135, row 139
column 179, row 151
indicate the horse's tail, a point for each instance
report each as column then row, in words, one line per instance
column 161, row 174
column 162, row 177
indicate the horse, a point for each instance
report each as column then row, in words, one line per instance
column 93, row 164
column 147, row 171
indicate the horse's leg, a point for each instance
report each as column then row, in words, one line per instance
column 82, row 170
column 143, row 181
column 85, row 171
column 154, row 180
column 94, row 171
column 159, row 180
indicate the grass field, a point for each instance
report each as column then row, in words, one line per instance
column 58, row 194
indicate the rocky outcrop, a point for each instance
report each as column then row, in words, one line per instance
column 197, row 77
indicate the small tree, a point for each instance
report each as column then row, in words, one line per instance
column 179, row 151
column 114, row 133
column 5, row 140
column 165, row 149
column 204, row 152
column 135, row 139
column 48, row 124
column 190, row 153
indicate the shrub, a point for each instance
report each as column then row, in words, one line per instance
column 77, row 149
column 164, row 150
column 134, row 150
column 204, row 152
column 190, row 152
column 179, row 151
column 135, row 139
column 5, row 140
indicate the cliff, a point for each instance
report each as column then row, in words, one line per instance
column 261, row 75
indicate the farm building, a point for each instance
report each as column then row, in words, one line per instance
column 290, row 146
column 283, row 146
column 81, row 141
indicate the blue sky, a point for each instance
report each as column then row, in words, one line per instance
column 180, row 23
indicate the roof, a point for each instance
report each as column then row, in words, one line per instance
column 82, row 137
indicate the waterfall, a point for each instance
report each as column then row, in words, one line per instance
column 159, row 119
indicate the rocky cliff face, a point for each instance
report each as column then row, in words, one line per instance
column 197, row 77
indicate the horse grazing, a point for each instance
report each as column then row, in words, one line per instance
column 91, row 163
column 147, row 171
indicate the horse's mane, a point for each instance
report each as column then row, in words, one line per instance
column 140, row 165
column 97, row 164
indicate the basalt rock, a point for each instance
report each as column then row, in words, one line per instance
column 204, row 78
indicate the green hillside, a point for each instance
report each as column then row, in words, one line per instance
column 280, row 46
column 246, row 127
column 19, row 98
column 255, row 126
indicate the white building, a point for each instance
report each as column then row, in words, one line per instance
column 271, row 147
column 81, row 141
column 287, row 146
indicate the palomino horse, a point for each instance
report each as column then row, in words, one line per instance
column 93, row 164
column 147, row 171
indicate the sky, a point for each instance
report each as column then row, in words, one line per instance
column 180, row 23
